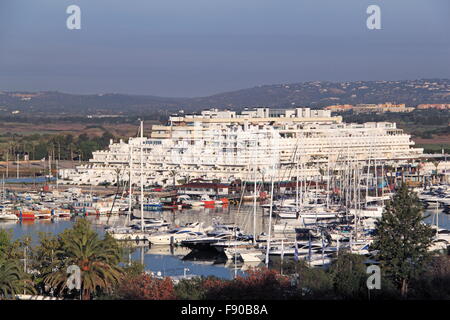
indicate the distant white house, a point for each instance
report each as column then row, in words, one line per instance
column 201, row 188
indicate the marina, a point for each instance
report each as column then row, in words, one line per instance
column 251, row 156
column 216, row 239
column 202, row 194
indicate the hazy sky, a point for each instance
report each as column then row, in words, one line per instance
column 200, row 47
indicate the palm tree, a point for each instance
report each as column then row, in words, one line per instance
column 436, row 165
column 13, row 280
column 97, row 259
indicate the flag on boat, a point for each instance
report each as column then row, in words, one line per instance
column 296, row 250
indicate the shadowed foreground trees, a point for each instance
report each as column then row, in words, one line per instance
column 402, row 239
column 97, row 258
column 145, row 287
column 13, row 280
column 258, row 284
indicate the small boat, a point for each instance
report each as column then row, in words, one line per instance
column 175, row 236
column 206, row 241
column 318, row 261
column 232, row 253
column 5, row 215
column 368, row 212
column 442, row 234
column 220, row 233
column 151, row 224
column 185, row 199
column 221, row 246
column 207, row 201
column 44, row 214
column 438, row 245
column 290, row 250
column 128, row 234
column 25, row 214
column 153, row 205
column 252, row 255
column 62, row 213
column 287, row 214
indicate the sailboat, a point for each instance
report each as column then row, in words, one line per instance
column 5, row 211
column 128, row 232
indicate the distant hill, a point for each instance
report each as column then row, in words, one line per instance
column 314, row 94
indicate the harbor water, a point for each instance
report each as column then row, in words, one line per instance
column 177, row 261
column 163, row 259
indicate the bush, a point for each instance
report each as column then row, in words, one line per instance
column 191, row 289
column 259, row 284
column 146, row 287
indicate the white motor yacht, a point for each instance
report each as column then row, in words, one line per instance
column 368, row 212
column 5, row 215
column 175, row 236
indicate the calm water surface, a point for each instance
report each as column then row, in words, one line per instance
column 164, row 259
column 169, row 261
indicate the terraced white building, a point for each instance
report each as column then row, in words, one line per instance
column 255, row 144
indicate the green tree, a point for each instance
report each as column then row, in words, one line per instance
column 402, row 239
column 97, row 258
column 349, row 276
column 190, row 289
column 134, row 269
column 13, row 280
column 5, row 243
column 435, row 282
column 12, row 249
column 44, row 256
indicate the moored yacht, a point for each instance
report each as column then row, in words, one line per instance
column 175, row 236
column 252, row 255
column 7, row 215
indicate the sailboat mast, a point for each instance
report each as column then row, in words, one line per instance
column 355, row 196
column 254, row 191
column 376, row 178
column 437, row 219
column 142, row 175
column 296, row 186
column 367, row 179
column 3, row 188
column 130, row 181
column 270, row 221
column 328, row 182
column 302, row 186
column 382, row 181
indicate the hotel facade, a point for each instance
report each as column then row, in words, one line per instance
column 260, row 144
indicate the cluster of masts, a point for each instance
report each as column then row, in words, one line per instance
column 315, row 225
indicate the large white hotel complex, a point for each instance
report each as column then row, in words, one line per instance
column 260, row 144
